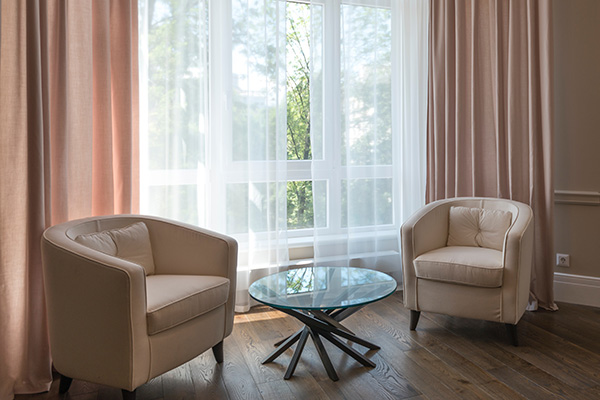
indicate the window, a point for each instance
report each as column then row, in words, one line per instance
column 326, row 160
column 324, row 74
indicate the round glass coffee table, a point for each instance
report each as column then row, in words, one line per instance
column 322, row 297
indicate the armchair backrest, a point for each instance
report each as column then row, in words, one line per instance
column 428, row 228
column 72, row 230
column 478, row 227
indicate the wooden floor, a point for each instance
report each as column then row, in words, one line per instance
column 445, row 358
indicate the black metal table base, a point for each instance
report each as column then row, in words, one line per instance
column 321, row 324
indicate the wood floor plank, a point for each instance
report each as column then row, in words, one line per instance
column 450, row 377
column 152, row 390
column 419, row 377
column 81, row 387
column 445, row 358
column 476, row 375
column 369, row 324
column 393, row 382
column 461, row 355
column 304, row 386
column 364, row 382
column 207, row 376
column 86, row 396
column 430, row 333
column 375, row 320
column 236, row 374
column 552, row 365
column 565, row 328
column 109, row 393
column 254, row 350
column 522, row 385
column 275, row 390
column 533, row 373
column 573, row 355
column 178, row 384
column 499, row 349
column 279, row 326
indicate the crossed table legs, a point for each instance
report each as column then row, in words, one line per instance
column 317, row 324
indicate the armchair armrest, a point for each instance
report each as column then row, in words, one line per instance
column 184, row 249
column 180, row 248
column 96, row 305
column 425, row 230
column 517, row 259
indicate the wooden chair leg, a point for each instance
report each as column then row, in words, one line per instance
column 127, row 395
column 414, row 319
column 65, row 384
column 218, row 352
column 512, row 334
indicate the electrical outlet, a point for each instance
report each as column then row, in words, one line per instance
column 563, row 260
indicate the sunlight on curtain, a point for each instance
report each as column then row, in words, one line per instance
column 253, row 153
column 68, row 108
column 410, row 63
column 213, row 132
column 374, row 97
column 292, row 126
column 174, row 106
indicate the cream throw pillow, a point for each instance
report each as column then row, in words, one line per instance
column 478, row 227
column 100, row 241
column 131, row 243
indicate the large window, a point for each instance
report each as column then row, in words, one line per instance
column 332, row 75
column 338, row 118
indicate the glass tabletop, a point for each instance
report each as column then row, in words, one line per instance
column 322, row 288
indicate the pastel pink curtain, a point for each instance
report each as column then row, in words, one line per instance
column 490, row 126
column 68, row 140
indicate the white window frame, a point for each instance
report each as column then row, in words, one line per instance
column 329, row 169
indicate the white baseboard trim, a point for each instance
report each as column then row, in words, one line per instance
column 577, row 289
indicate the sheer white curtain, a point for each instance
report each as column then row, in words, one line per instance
column 371, row 100
column 251, row 175
column 295, row 126
column 213, row 123
column 410, row 63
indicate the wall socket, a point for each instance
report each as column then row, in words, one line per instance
column 563, row 260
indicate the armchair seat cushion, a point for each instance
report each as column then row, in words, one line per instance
column 175, row 299
column 465, row 265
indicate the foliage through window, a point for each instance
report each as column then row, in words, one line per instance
column 334, row 170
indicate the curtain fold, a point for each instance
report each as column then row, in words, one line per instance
column 24, row 347
column 214, row 135
column 378, row 153
column 490, row 127
column 410, row 41
column 51, row 166
column 256, row 204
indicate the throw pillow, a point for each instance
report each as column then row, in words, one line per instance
column 131, row 243
column 478, row 227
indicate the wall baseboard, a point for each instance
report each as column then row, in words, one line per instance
column 577, row 289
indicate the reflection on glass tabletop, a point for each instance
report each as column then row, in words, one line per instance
column 322, row 288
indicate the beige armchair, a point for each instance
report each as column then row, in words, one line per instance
column 131, row 297
column 469, row 257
